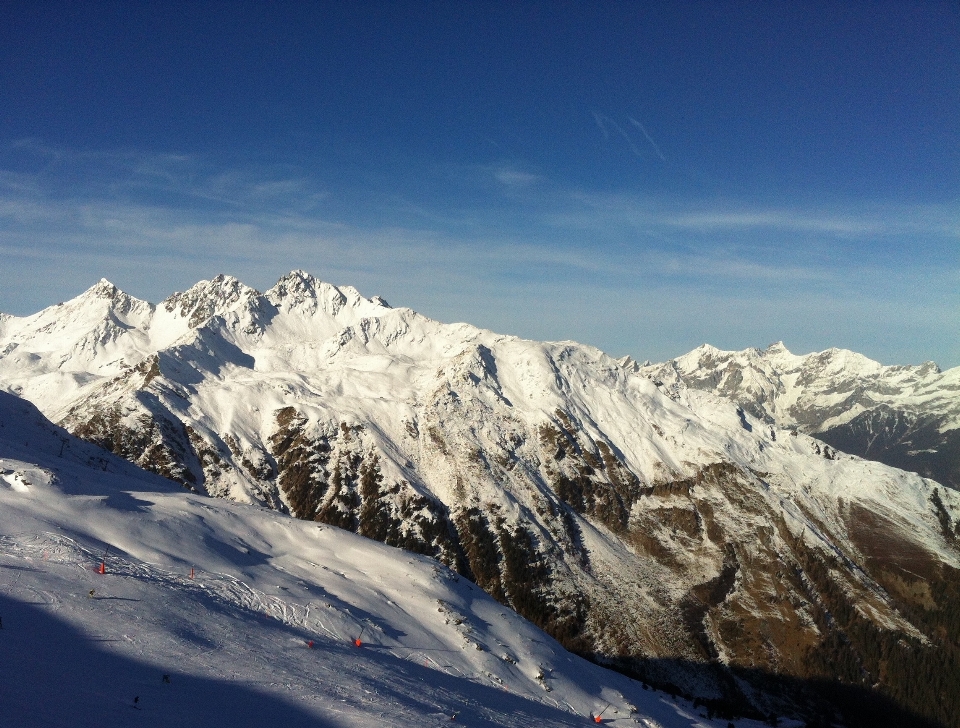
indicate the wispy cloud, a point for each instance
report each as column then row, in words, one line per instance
column 863, row 220
column 606, row 124
column 263, row 245
column 515, row 177
column 648, row 137
column 530, row 253
column 245, row 214
column 710, row 220
column 136, row 175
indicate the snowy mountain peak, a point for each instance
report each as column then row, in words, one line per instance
column 103, row 289
column 843, row 362
column 118, row 302
column 296, row 282
column 85, row 326
column 833, row 361
column 298, row 290
column 209, row 298
column 706, row 349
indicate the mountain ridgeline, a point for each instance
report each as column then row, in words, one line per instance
column 904, row 416
column 705, row 545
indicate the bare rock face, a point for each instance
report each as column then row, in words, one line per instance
column 904, row 416
column 653, row 526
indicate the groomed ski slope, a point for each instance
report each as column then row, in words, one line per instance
column 263, row 634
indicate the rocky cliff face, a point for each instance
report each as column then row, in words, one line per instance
column 651, row 526
column 904, row 416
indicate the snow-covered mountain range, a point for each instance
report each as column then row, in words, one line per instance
column 905, row 416
column 672, row 534
column 214, row 613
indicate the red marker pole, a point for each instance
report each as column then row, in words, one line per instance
column 191, row 572
column 310, row 644
column 357, row 641
column 102, row 569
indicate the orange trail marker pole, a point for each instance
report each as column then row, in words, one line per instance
column 357, row 641
column 310, row 644
column 191, row 572
column 102, row 569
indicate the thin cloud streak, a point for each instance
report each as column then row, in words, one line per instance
column 604, row 121
column 649, row 138
column 870, row 220
column 514, row 177
column 777, row 219
column 101, row 175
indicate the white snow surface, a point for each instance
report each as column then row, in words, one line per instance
column 212, row 612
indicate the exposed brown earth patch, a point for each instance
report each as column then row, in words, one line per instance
column 880, row 540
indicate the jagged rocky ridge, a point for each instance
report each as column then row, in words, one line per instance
column 680, row 538
column 904, row 416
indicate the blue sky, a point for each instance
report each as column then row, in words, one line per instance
column 643, row 177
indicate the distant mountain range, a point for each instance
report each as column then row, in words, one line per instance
column 636, row 513
column 904, row 416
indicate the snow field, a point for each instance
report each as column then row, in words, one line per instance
column 234, row 640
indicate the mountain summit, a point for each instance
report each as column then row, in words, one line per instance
column 653, row 526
